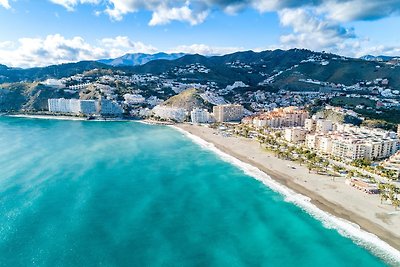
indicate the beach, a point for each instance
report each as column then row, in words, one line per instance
column 332, row 196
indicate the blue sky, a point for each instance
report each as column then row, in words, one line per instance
column 43, row 32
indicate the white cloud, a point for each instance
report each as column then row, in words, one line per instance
column 312, row 32
column 5, row 4
column 204, row 49
column 350, row 10
column 70, row 4
column 56, row 49
column 164, row 15
column 193, row 11
column 121, row 45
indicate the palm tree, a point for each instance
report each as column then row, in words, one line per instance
column 310, row 166
column 382, row 191
column 396, row 203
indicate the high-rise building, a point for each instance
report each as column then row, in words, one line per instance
column 88, row 107
column 295, row 135
column 200, row 116
column 228, row 112
column 110, row 108
column 280, row 117
column 352, row 143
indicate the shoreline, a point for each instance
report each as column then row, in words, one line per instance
column 363, row 230
column 63, row 118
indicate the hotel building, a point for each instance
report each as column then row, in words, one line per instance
column 351, row 142
column 280, row 118
column 295, row 135
column 110, row 108
column 229, row 112
column 85, row 107
column 200, row 116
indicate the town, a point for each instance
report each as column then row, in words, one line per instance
column 332, row 139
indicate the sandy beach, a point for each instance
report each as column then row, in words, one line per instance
column 334, row 197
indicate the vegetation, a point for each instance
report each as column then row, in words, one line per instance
column 352, row 102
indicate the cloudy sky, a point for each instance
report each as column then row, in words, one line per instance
column 43, row 32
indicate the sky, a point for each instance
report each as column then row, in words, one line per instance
column 44, row 32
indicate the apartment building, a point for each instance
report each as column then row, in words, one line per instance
column 110, row 108
column 295, row 135
column 228, row 112
column 280, row 118
column 198, row 115
column 355, row 143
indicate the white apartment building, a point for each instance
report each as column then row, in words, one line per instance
column 318, row 125
column 295, row 135
column 74, row 106
column 323, row 126
column 280, row 117
column 88, row 107
column 228, row 112
column 355, row 143
column 61, row 105
column 110, row 108
column 348, row 149
column 319, row 142
column 170, row 113
column 200, row 116
column 310, row 125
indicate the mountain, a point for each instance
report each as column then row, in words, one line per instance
column 188, row 99
column 272, row 70
column 378, row 58
column 279, row 69
column 139, row 59
column 10, row 75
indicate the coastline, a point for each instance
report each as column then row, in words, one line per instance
column 356, row 215
column 64, row 118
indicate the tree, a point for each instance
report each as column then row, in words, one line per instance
column 336, row 168
column 310, row 166
column 382, row 192
column 396, row 203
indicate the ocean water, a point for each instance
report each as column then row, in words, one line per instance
column 76, row 193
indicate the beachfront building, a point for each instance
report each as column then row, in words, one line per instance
column 88, row 107
column 393, row 163
column 279, row 118
column 200, row 116
column 295, row 135
column 351, row 142
column 228, row 112
column 110, row 108
column 170, row 113
column 72, row 106
column 348, row 149
column 319, row 142
column 61, row 105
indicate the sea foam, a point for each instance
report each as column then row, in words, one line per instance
column 346, row 228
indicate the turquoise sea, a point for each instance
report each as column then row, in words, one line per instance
column 77, row 193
